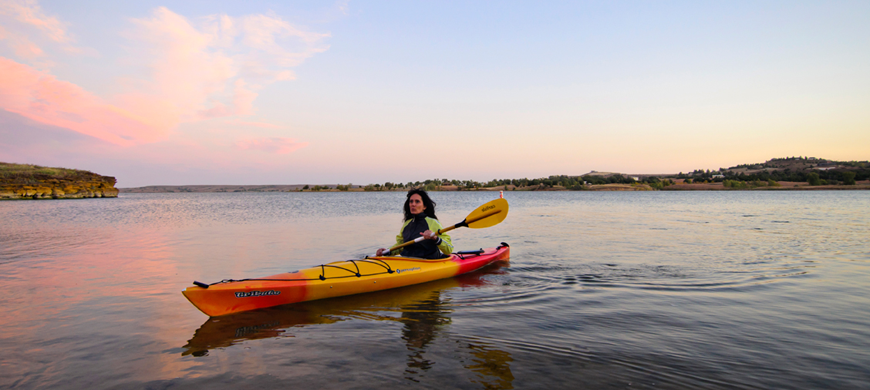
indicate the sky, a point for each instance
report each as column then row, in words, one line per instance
column 300, row 92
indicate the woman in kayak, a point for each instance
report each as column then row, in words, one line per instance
column 420, row 220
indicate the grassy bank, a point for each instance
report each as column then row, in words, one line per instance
column 25, row 181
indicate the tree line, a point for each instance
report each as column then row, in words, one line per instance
column 730, row 179
column 563, row 181
column 832, row 176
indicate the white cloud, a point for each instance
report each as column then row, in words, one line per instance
column 213, row 67
column 30, row 13
column 28, row 29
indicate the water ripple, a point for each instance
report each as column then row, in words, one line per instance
column 656, row 290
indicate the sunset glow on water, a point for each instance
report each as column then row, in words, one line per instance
column 665, row 290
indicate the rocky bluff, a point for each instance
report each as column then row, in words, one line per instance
column 23, row 181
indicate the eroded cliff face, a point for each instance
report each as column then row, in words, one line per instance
column 78, row 185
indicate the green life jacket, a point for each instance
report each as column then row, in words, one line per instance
column 426, row 249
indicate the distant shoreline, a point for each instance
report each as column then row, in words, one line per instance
column 777, row 174
column 783, row 186
column 25, row 181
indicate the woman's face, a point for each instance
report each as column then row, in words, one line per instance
column 415, row 203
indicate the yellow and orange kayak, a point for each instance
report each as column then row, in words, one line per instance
column 334, row 280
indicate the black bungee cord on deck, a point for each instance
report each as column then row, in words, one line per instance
column 322, row 276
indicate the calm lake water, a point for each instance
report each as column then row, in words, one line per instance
column 604, row 290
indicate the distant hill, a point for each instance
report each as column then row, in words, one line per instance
column 215, row 188
column 24, row 181
column 787, row 169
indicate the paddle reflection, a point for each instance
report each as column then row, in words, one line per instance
column 422, row 322
column 425, row 312
column 492, row 367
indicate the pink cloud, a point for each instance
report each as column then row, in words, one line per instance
column 193, row 71
column 27, row 23
column 186, row 75
column 205, row 70
column 29, row 12
column 272, row 35
column 21, row 45
column 263, row 125
column 41, row 97
column 271, row 145
column 26, row 49
column 242, row 103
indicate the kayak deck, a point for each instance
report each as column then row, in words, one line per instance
column 334, row 279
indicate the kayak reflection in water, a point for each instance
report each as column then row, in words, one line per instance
column 420, row 221
column 425, row 316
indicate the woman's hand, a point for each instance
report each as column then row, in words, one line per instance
column 429, row 235
column 381, row 252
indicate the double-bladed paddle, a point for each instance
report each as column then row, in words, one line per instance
column 490, row 214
